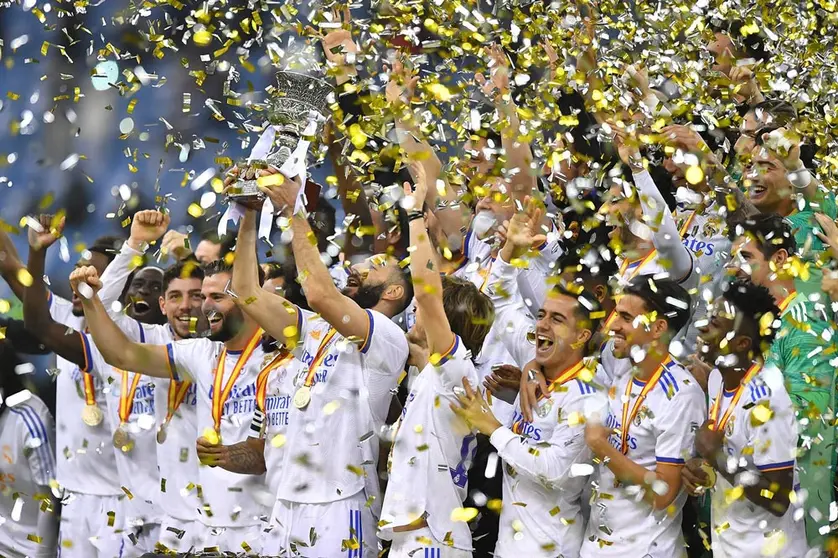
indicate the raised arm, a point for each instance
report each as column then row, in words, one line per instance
column 516, row 147
column 343, row 313
column 116, row 348
column 426, row 279
column 10, row 264
column 60, row 339
column 728, row 195
column 146, row 227
column 666, row 237
column 522, row 234
column 272, row 312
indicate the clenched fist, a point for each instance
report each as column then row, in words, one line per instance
column 85, row 281
column 148, row 225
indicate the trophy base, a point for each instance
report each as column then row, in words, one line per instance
column 245, row 192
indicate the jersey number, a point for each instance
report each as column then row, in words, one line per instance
column 460, row 473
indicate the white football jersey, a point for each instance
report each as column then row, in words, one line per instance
column 332, row 447
column 622, row 523
column 137, row 468
column 704, row 233
column 228, row 499
column 85, row 457
column 546, row 465
column 432, row 453
column 740, row 528
column 177, row 460
column 27, row 465
column 271, row 423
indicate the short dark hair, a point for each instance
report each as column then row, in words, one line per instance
column 753, row 302
column 227, row 241
column 328, row 223
column 470, row 313
column 771, row 231
column 187, row 269
column 587, row 304
column 781, row 112
column 664, row 296
column 287, row 271
column 108, row 246
column 222, row 266
column 275, row 271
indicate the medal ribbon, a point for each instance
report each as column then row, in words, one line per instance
column 89, row 389
column 126, row 396
column 566, row 376
column 262, row 381
column 687, row 223
column 786, row 301
column 634, row 271
column 628, row 419
column 318, row 358
column 177, row 393
column 714, row 410
column 219, row 395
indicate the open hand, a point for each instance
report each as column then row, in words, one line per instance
column 474, row 410
column 523, row 231
column 401, row 86
column 176, row 244
column 503, row 377
column 339, row 47
column 498, row 84
column 44, row 231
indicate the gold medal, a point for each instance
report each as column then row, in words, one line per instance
column 92, row 415
column 161, row 433
column 302, row 398
column 711, row 475
column 122, row 440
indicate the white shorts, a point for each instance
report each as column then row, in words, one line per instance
column 84, row 531
column 412, row 544
column 344, row 529
column 139, row 541
column 231, row 539
column 181, row 536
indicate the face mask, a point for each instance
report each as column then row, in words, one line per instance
column 483, row 223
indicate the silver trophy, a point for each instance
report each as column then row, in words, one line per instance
column 295, row 102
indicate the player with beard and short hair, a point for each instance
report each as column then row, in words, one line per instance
column 85, row 466
column 738, row 449
column 129, row 403
column 538, row 449
column 174, row 402
column 648, row 433
column 351, row 356
column 224, row 369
